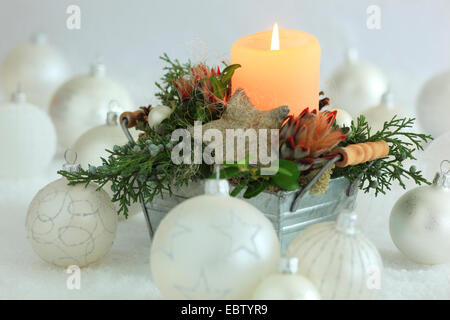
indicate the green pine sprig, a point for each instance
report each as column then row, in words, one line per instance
column 380, row 174
column 144, row 168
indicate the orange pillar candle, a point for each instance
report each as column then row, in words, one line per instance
column 278, row 73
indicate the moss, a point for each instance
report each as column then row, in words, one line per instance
column 322, row 185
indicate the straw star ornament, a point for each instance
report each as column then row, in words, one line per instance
column 241, row 114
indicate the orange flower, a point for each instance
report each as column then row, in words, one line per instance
column 199, row 79
column 309, row 138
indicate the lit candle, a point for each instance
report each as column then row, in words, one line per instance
column 278, row 68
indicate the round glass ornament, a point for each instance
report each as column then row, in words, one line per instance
column 338, row 259
column 433, row 104
column 376, row 116
column 356, row 85
column 27, row 138
column 91, row 146
column 81, row 103
column 38, row 67
column 158, row 114
column 213, row 247
column 286, row 285
column 432, row 157
column 71, row 225
column 420, row 221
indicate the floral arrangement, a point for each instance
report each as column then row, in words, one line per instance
column 196, row 93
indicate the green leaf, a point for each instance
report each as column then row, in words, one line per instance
column 287, row 175
column 218, row 87
column 241, row 164
column 227, row 173
column 239, row 188
column 228, row 72
column 284, row 183
column 255, row 188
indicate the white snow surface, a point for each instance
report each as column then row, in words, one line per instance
column 125, row 272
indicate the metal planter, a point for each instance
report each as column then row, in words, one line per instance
column 276, row 206
column 289, row 212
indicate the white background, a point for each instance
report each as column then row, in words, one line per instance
column 412, row 45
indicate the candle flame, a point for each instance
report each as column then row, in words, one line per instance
column 275, row 45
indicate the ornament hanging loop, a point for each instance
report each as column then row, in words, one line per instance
column 19, row 96
column 111, row 118
column 112, row 115
column 217, row 186
column 71, row 166
column 346, row 222
column 288, row 265
column 443, row 171
column 442, row 178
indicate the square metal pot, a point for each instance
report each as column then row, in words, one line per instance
column 276, row 206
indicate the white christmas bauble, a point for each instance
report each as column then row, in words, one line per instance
column 27, row 138
column 286, row 286
column 158, row 114
column 433, row 104
column 71, row 225
column 384, row 111
column 420, row 223
column 432, row 157
column 338, row 259
column 356, row 85
column 82, row 102
column 213, row 247
column 91, row 146
column 343, row 118
column 39, row 69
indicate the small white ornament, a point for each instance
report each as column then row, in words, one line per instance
column 82, row 102
column 38, row 67
column 420, row 222
column 356, row 85
column 338, row 259
column 71, row 225
column 384, row 111
column 213, row 247
column 343, row 118
column 27, row 138
column 158, row 114
column 91, row 146
column 286, row 285
column 432, row 157
column 433, row 104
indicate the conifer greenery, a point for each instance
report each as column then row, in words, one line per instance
column 145, row 168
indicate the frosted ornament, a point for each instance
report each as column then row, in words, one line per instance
column 81, row 103
column 343, row 118
column 27, row 138
column 38, row 67
column 338, row 259
column 213, row 246
column 158, row 114
column 91, row 146
column 433, row 104
column 384, row 112
column 420, row 221
column 356, row 85
column 432, row 157
column 71, row 225
column 286, row 284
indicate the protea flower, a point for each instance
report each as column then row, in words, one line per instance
column 310, row 138
column 200, row 78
